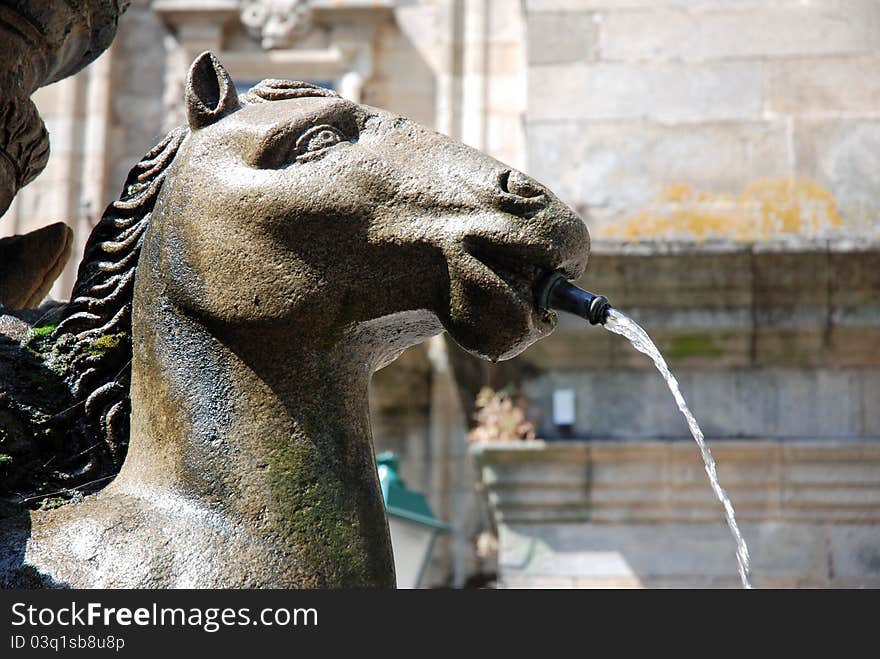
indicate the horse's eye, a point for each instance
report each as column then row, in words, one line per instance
column 316, row 140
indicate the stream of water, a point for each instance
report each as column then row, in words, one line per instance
column 622, row 324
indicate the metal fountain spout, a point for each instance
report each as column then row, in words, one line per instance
column 556, row 292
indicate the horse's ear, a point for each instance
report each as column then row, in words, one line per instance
column 210, row 93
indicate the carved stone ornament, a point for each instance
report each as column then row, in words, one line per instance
column 276, row 23
column 41, row 42
column 287, row 243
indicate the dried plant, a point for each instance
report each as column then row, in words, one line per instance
column 486, row 545
column 500, row 418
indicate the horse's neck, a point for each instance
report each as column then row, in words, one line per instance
column 270, row 439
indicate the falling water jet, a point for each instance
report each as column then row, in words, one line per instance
column 555, row 292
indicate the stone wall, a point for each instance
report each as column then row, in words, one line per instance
column 763, row 342
column 777, row 351
column 688, row 119
column 641, row 514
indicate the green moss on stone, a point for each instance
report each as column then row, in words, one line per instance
column 106, row 343
column 44, row 330
column 693, row 345
column 52, row 502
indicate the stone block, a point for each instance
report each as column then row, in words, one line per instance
column 505, row 99
column 571, row 350
column 795, row 502
column 663, row 92
column 821, row 404
column 560, row 37
column 854, row 346
column 786, row 346
column 65, row 133
column 855, row 553
column 842, row 156
column 870, row 402
column 743, row 402
column 38, row 205
column 522, row 582
column 793, row 552
column 755, row 402
column 791, row 279
column 505, row 21
column 855, row 278
column 675, row 282
column 505, row 140
column 617, row 169
column 817, row 86
column 505, row 59
column 853, row 26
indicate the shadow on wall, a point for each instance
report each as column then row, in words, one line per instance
column 15, row 530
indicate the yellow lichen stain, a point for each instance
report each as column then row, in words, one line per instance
column 766, row 208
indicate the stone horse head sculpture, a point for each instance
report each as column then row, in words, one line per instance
column 286, row 244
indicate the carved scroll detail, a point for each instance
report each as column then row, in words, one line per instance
column 276, row 23
column 23, row 139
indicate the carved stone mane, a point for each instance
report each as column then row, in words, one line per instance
column 87, row 342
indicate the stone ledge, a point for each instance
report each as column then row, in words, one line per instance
column 623, row 482
column 726, row 305
column 623, row 514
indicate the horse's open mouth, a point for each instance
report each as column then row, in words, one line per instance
column 515, row 265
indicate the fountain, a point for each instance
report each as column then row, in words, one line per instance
column 264, row 259
column 238, row 456
column 555, row 292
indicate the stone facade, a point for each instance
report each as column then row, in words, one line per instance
column 723, row 154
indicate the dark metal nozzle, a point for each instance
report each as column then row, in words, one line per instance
column 556, row 292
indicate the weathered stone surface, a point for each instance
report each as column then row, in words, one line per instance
column 843, row 156
column 681, row 35
column 823, row 86
column 43, row 42
column 618, row 167
column 560, row 37
column 29, row 265
column 717, row 91
column 634, row 402
column 701, row 78
column 139, row 111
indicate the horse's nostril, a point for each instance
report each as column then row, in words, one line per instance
column 519, row 184
column 503, row 180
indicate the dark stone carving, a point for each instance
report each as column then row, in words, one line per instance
column 262, row 262
column 29, row 264
column 41, row 42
